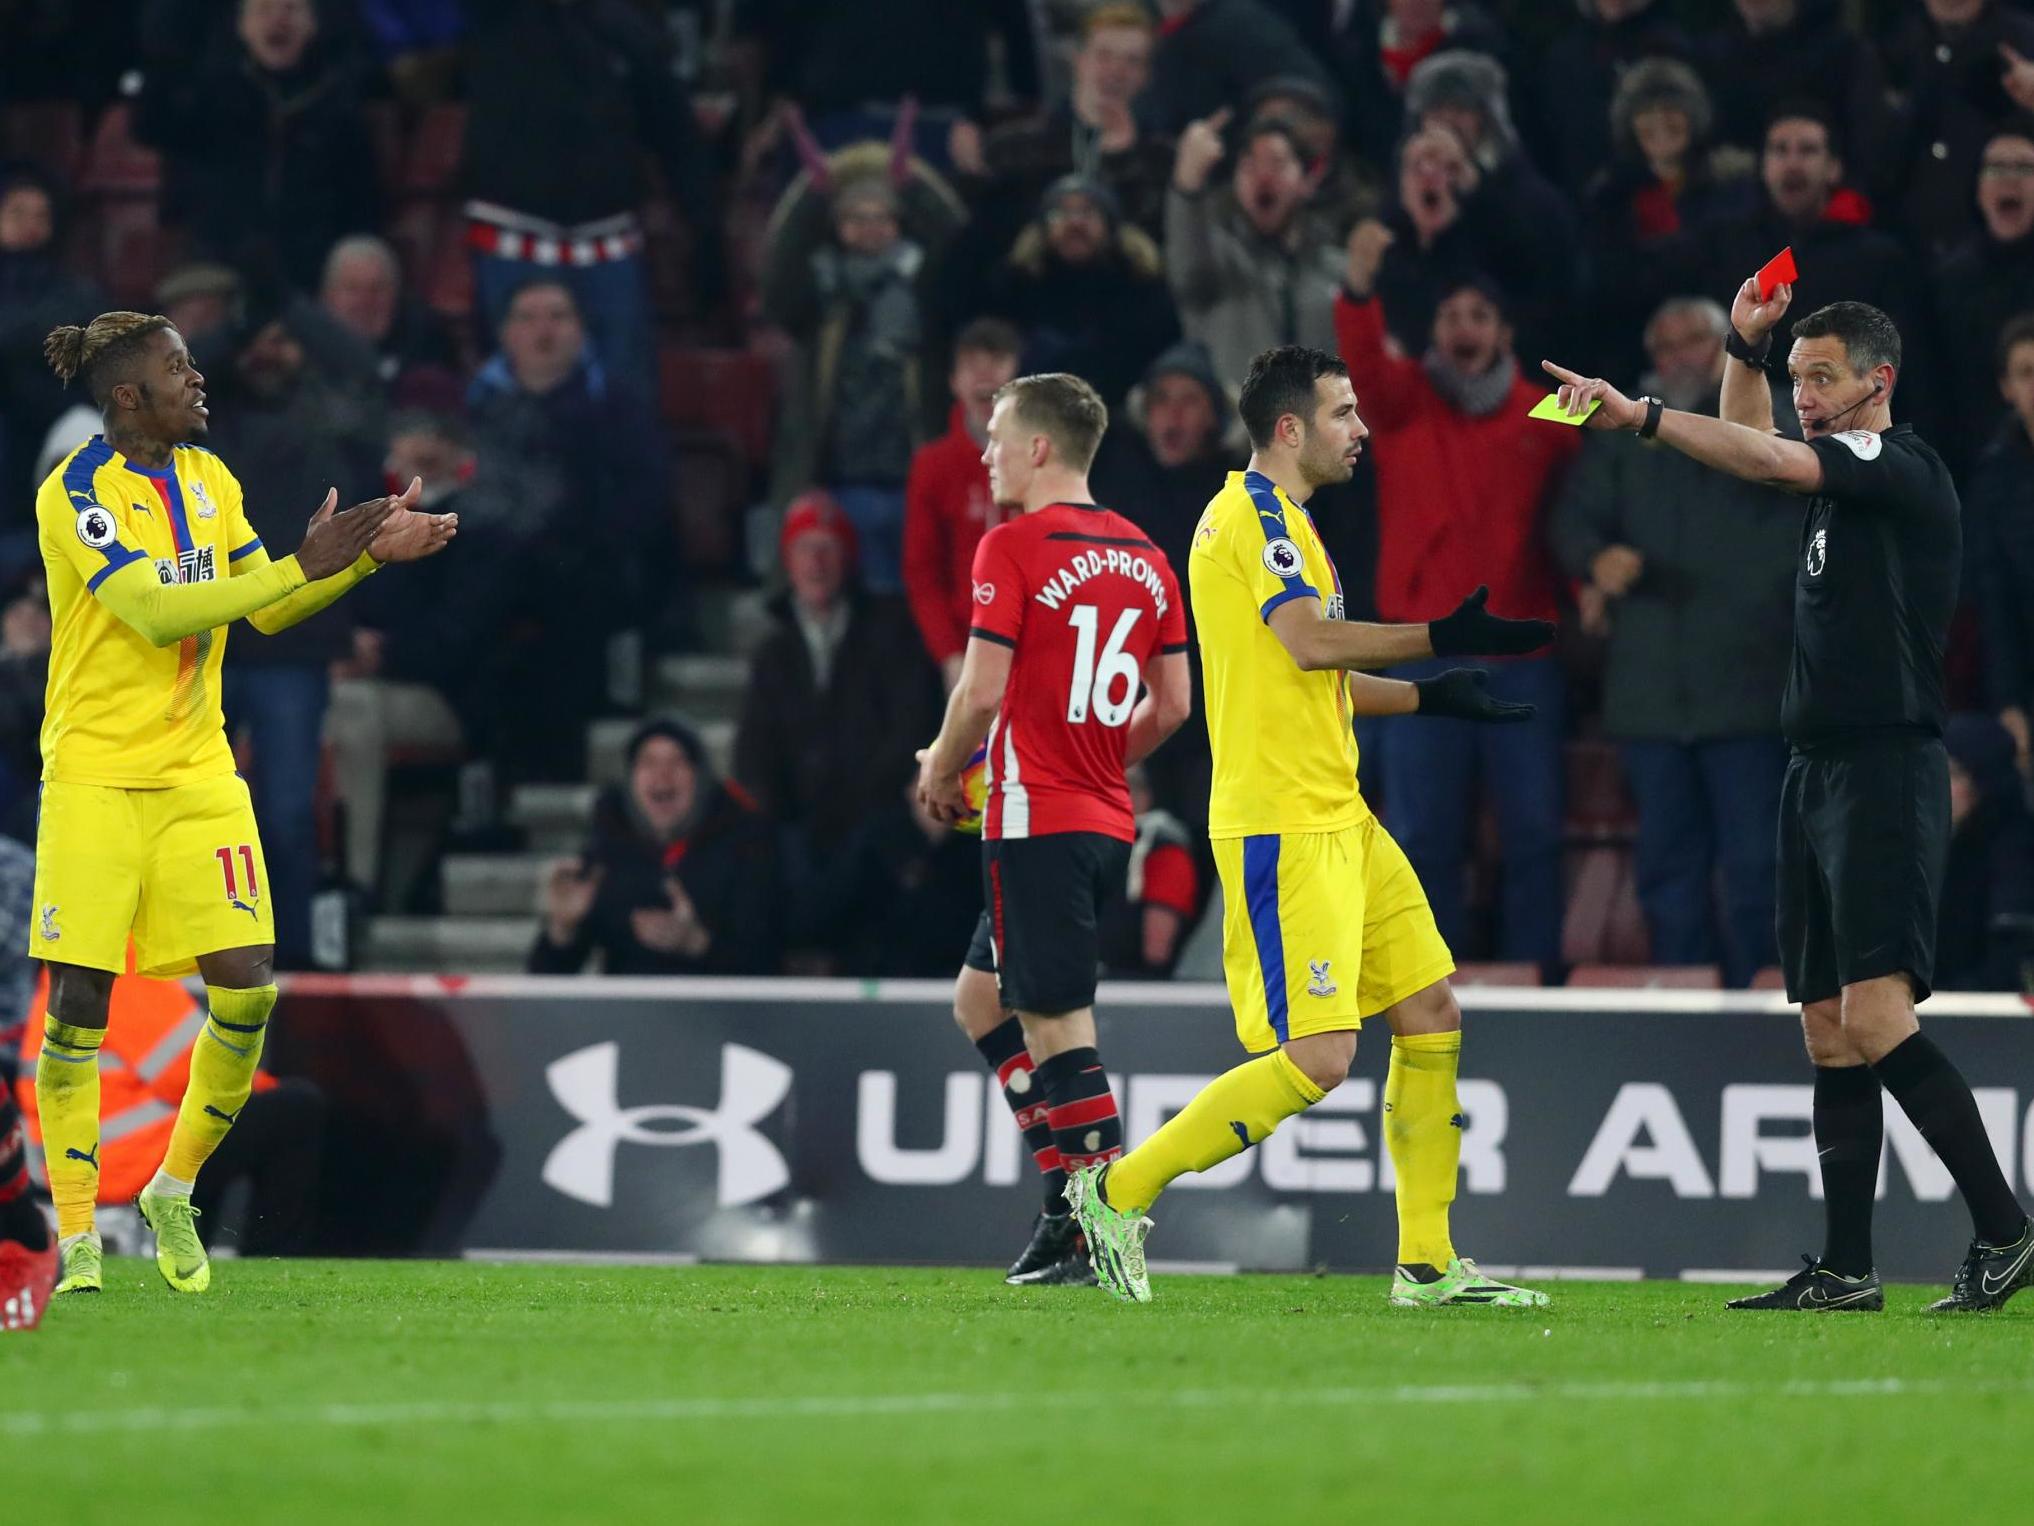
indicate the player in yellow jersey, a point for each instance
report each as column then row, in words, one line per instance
column 145, row 831
column 1324, row 922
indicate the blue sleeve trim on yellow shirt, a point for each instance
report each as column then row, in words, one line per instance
column 92, row 455
column 253, row 545
column 1304, row 591
column 1271, row 520
column 117, row 556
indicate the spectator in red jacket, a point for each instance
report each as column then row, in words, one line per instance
column 947, row 508
column 1463, row 482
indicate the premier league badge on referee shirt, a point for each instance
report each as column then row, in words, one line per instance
column 1818, row 553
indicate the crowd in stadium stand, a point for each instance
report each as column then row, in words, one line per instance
column 672, row 298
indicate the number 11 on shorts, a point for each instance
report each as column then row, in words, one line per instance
column 233, row 888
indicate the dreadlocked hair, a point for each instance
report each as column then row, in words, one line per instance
column 100, row 348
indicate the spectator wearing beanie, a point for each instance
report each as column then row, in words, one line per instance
column 840, row 695
column 1663, row 181
column 1523, row 229
column 1159, row 472
column 1087, row 291
column 1986, row 922
column 947, row 507
column 1381, row 55
column 1587, row 66
column 678, row 877
column 845, row 273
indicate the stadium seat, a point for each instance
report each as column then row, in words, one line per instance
column 1648, row 977
column 1496, row 975
column 1600, row 807
column 118, row 163
column 433, row 159
column 48, row 133
column 1604, row 924
column 131, row 250
column 732, row 392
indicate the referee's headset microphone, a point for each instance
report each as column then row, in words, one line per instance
column 1877, row 388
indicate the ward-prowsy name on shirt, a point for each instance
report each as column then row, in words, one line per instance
column 1080, row 566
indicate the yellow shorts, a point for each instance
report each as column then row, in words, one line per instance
column 1321, row 930
column 179, row 869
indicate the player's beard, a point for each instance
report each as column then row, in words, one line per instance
column 1323, row 465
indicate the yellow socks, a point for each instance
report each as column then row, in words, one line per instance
column 222, row 1077
column 1422, row 1127
column 67, row 1099
column 1231, row 1113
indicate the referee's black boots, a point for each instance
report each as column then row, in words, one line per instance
column 1990, row 1274
column 1817, row 1290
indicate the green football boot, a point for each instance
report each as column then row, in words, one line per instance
column 179, row 1254
column 1115, row 1239
column 82, row 1264
column 1428, row 1287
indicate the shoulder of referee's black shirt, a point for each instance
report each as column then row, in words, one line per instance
column 1892, row 468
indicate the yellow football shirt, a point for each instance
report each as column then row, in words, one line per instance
column 1283, row 739
column 122, row 712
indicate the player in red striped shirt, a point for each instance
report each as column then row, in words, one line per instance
column 1075, row 668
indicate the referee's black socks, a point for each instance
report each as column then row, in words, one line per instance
column 1850, row 1132
column 1933, row 1093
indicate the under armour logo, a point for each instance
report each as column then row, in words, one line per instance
column 581, row 1165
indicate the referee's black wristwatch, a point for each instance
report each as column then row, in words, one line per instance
column 1649, row 426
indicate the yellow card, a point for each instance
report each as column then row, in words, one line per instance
column 1549, row 408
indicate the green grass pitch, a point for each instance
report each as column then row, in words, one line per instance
column 414, row 1391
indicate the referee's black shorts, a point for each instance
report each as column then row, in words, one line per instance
column 1864, row 840
column 1040, row 934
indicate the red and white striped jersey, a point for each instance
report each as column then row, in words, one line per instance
column 1085, row 601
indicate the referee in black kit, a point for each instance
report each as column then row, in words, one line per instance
column 1864, row 816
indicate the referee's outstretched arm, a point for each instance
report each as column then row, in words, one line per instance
column 1755, row 455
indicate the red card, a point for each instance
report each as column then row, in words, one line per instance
column 1777, row 271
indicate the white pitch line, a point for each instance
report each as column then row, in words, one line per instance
column 876, row 1406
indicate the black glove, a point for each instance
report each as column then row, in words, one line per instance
column 1460, row 693
column 1472, row 631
